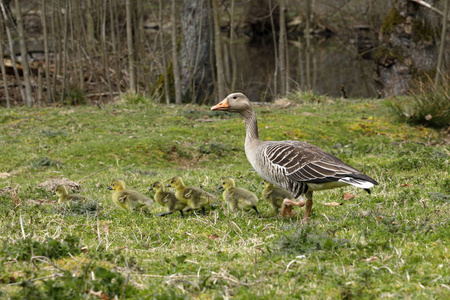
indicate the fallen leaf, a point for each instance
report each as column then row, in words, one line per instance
column 99, row 294
column 332, row 204
column 394, row 223
column 428, row 117
column 347, row 196
column 214, row 236
column 406, row 185
column 5, row 175
column 379, row 218
column 371, row 259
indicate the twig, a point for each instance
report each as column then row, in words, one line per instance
column 98, row 171
column 428, row 5
column 21, row 226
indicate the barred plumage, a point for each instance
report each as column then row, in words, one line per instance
column 299, row 167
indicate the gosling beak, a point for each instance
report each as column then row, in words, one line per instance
column 151, row 188
column 110, row 188
column 54, row 193
column 262, row 183
column 169, row 185
column 220, row 187
column 221, row 106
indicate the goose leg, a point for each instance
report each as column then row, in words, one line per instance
column 181, row 212
column 288, row 205
column 309, row 204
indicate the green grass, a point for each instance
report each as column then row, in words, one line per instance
column 391, row 244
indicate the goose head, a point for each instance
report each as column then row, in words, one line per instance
column 235, row 102
column 176, row 182
column 61, row 191
column 227, row 183
column 117, row 185
column 157, row 186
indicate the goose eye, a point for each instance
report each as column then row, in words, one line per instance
column 234, row 97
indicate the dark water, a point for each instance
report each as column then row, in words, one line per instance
column 332, row 63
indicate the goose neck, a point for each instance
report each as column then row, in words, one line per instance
column 251, row 126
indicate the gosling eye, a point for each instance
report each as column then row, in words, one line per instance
column 223, row 182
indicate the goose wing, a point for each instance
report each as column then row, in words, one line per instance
column 303, row 162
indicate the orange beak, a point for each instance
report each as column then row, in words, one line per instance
column 223, row 105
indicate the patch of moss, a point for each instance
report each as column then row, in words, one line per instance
column 387, row 54
column 422, row 31
column 392, row 19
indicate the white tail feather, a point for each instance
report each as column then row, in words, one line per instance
column 357, row 182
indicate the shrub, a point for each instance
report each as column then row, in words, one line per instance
column 429, row 105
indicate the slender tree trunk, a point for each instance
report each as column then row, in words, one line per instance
column 130, row 46
column 163, row 55
column 90, row 28
column 175, row 64
column 218, row 52
column 282, row 48
column 274, row 36
column 64, row 54
column 232, row 49
column 46, row 51
column 2, row 65
column 439, row 69
column 139, row 42
column 23, row 51
column 308, row 45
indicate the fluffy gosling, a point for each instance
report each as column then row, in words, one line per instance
column 238, row 198
column 193, row 197
column 64, row 196
column 275, row 196
column 167, row 199
column 126, row 198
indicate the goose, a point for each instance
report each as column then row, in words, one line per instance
column 167, row 199
column 276, row 196
column 193, row 197
column 238, row 198
column 64, row 196
column 126, row 198
column 296, row 166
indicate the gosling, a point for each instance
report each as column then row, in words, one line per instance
column 238, row 198
column 276, row 196
column 128, row 199
column 167, row 199
column 64, row 196
column 193, row 197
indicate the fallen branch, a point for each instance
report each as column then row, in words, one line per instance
column 428, row 5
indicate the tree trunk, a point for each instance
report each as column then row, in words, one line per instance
column 46, row 51
column 2, row 66
column 175, row 64
column 218, row 52
column 196, row 83
column 130, row 46
column 23, row 52
column 407, row 49
column 282, row 48
column 439, row 70
column 232, row 49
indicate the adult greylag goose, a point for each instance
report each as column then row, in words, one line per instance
column 238, row 198
column 167, row 199
column 126, row 198
column 298, row 167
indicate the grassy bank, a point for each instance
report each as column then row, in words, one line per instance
column 393, row 243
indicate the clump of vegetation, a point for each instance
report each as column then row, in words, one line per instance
column 24, row 249
column 307, row 239
column 392, row 19
column 429, row 105
column 43, row 162
column 89, row 208
column 75, row 96
column 100, row 283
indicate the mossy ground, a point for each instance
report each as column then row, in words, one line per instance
column 391, row 244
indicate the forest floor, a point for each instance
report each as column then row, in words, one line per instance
column 393, row 243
